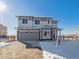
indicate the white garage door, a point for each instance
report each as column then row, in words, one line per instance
column 26, row 36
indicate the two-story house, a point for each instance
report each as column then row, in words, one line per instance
column 31, row 28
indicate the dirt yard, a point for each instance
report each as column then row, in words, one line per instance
column 19, row 51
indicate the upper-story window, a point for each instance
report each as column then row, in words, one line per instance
column 48, row 21
column 37, row 21
column 24, row 21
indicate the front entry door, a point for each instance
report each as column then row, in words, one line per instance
column 46, row 34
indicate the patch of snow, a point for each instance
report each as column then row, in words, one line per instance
column 6, row 43
column 66, row 50
column 2, row 44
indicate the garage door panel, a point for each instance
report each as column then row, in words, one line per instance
column 26, row 36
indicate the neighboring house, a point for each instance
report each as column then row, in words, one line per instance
column 11, row 37
column 31, row 28
column 3, row 31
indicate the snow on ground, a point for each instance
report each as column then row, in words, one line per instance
column 2, row 44
column 5, row 42
column 66, row 50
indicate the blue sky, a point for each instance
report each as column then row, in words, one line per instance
column 65, row 11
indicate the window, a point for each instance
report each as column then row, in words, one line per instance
column 37, row 21
column 24, row 21
column 45, row 33
column 48, row 21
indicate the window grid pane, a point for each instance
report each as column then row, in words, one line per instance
column 37, row 21
column 24, row 21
